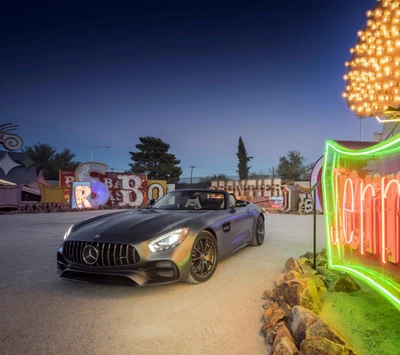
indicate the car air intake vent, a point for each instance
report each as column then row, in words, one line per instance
column 100, row 254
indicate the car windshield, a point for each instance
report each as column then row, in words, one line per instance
column 191, row 200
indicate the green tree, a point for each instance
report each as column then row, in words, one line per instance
column 214, row 177
column 243, row 165
column 259, row 175
column 293, row 166
column 154, row 160
column 47, row 159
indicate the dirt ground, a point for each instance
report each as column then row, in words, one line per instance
column 369, row 324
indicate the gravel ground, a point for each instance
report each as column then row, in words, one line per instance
column 41, row 314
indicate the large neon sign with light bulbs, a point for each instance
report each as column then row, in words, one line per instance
column 361, row 187
column 91, row 186
column 373, row 76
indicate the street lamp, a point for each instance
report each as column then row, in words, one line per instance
column 100, row 146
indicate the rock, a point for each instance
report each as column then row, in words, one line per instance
column 301, row 321
column 273, row 318
column 290, row 264
column 321, row 260
column 269, row 334
column 281, row 332
column 301, row 292
column 320, row 345
column 308, row 256
column 321, row 328
column 304, row 261
column 270, row 294
column 317, row 280
column 268, row 304
column 323, row 252
column 287, row 309
column 346, row 284
column 308, row 269
column 290, row 275
column 322, row 292
column 285, row 346
column 269, row 311
column 329, row 277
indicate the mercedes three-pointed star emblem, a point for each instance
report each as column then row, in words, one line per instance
column 90, row 254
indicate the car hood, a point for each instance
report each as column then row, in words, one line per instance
column 132, row 226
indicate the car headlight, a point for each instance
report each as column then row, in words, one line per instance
column 169, row 240
column 68, row 232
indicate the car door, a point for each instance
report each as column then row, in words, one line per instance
column 236, row 226
column 243, row 225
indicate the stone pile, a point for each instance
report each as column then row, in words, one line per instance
column 292, row 326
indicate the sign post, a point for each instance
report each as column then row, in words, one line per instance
column 314, row 191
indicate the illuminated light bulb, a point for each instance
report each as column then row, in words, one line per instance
column 381, row 98
column 348, row 87
column 344, row 95
column 353, row 107
column 390, row 49
column 385, row 3
column 345, row 77
column 378, row 13
column 387, row 71
column 378, row 41
column 392, row 83
column 387, row 13
column 395, row 90
column 372, row 97
column 385, row 86
column 360, row 109
column 389, row 43
column 369, row 13
column 351, row 50
column 394, row 5
column 359, row 33
column 377, row 34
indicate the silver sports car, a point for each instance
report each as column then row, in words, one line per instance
column 180, row 237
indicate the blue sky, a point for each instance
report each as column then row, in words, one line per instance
column 196, row 74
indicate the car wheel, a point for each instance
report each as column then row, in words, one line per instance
column 203, row 258
column 259, row 232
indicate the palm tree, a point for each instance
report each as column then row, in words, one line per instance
column 49, row 161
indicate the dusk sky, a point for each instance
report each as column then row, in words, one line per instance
column 196, row 74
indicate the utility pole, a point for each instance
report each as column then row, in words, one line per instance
column 191, row 173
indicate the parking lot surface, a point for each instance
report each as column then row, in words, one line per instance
column 42, row 314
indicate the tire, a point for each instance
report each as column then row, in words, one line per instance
column 203, row 258
column 259, row 233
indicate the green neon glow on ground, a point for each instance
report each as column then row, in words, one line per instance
column 364, row 161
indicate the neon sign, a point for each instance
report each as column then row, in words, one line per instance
column 361, row 187
column 81, row 195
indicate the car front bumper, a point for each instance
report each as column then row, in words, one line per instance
column 152, row 268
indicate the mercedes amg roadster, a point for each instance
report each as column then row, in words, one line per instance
column 180, row 237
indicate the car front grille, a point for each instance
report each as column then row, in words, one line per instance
column 103, row 254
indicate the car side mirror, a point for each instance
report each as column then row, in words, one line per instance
column 240, row 203
column 151, row 202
